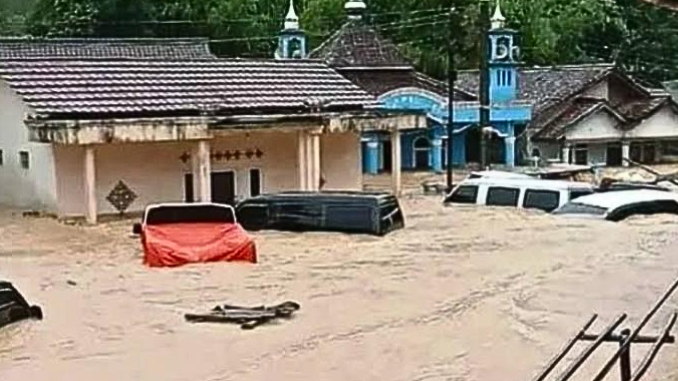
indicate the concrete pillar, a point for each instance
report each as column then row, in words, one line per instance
column 204, row 171
column 437, row 155
column 372, row 157
column 396, row 163
column 510, row 151
column 626, row 153
column 302, row 161
column 314, row 161
column 90, row 186
column 566, row 154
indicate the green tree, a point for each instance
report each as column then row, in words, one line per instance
column 63, row 18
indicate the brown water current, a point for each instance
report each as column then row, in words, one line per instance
column 462, row 293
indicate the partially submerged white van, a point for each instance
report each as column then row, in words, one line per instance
column 546, row 195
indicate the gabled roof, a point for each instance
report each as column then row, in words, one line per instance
column 389, row 80
column 104, row 48
column 357, row 45
column 544, row 85
column 628, row 114
column 143, row 88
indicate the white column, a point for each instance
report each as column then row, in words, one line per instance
column 301, row 159
column 90, row 186
column 626, row 153
column 314, row 161
column 195, row 173
column 204, row 171
column 566, row 154
column 396, row 163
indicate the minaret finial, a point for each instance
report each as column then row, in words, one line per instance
column 355, row 9
column 291, row 20
column 498, row 19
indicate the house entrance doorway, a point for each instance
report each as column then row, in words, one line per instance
column 223, row 187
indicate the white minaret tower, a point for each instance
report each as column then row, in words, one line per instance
column 355, row 9
column 498, row 19
column 291, row 40
column 291, row 20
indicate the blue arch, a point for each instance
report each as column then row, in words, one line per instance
column 413, row 99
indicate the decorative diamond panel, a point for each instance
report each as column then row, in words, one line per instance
column 121, row 197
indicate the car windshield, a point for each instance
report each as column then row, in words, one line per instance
column 176, row 214
column 578, row 208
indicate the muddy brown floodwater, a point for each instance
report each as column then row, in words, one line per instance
column 474, row 294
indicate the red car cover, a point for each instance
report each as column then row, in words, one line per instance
column 175, row 244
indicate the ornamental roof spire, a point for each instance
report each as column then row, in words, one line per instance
column 291, row 20
column 498, row 19
column 355, row 9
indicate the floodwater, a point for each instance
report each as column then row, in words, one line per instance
column 462, row 293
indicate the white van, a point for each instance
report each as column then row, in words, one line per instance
column 546, row 195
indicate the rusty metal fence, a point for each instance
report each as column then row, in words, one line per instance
column 624, row 339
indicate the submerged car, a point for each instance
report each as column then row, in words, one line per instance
column 349, row 212
column 619, row 205
column 528, row 193
column 13, row 306
column 176, row 234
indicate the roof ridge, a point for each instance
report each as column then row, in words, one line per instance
column 100, row 39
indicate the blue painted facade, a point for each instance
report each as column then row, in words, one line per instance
column 426, row 148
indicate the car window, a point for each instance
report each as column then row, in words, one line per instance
column 391, row 215
column 502, row 196
column 579, row 193
column 188, row 213
column 644, row 208
column 297, row 214
column 577, row 208
column 542, row 199
column 358, row 217
column 464, row 194
column 253, row 216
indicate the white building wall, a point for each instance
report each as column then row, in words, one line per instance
column 663, row 124
column 32, row 188
column 599, row 126
column 155, row 173
column 340, row 161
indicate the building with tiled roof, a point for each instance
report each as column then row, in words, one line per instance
column 534, row 110
column 374, row 63
column 104, row 48
column 100, row 126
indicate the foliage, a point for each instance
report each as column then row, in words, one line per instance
column 639, row 37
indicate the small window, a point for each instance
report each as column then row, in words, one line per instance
column 500, row 196
column 188, row 187
column 509, row 78
column 464, row 194
column 24, row 160
column 547, row 201
column 581, row 154
column 255, row 182
column 2, row 158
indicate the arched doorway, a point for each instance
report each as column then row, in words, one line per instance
column 422, row 152
column 473, row 145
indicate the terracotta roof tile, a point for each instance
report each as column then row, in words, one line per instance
column 104, row 48
column 378, row 82
column 356, row 44
column 132, row 88
column 544, row 86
